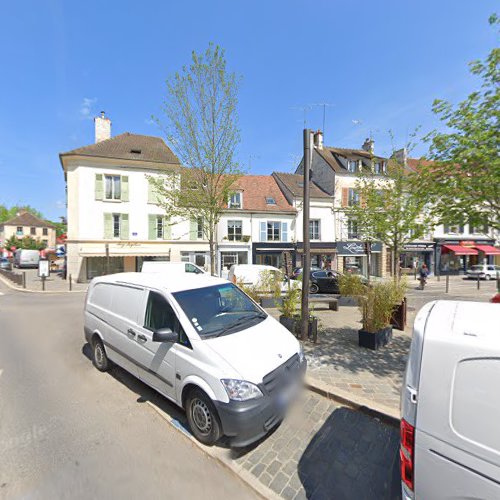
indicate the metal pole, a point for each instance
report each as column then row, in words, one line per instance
column 70, row 283
column 43, row 283
column 478, row 282
column 498, row 282
column 107, row 258
column 24, row 279
column 306, row 258
column 447, row 282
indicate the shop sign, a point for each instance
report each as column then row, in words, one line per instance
column 128, row 244
column 418, row 246
column 356, row 247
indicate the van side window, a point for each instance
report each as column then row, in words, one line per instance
column 192, row 269
column 159, row 314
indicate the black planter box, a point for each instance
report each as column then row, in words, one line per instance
column 398, row 318
column 293, row 325
column 375, row 340
column 271, row 301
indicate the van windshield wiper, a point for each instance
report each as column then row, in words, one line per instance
column 242, row 321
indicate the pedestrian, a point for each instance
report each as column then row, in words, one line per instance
column 424, row 272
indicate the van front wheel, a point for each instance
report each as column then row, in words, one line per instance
column 101, row 361
column 202, row 417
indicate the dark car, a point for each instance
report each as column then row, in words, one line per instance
column 297, row 272
column 324, row 282
column 5, row 264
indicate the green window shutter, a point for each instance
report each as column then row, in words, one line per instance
column 99, row 187
column 167, row 229
column 152, row 194
column 108, row 226
column 124, row 227
column 124, row 187
column 193, row 229
column 152, row 227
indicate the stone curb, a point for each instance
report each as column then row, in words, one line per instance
column 363, row 405
column 244, row 475
column 8, row 284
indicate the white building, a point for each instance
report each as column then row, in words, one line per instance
column 114, row 222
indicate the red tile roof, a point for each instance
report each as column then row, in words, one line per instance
column 256, row 188
column 415, row 163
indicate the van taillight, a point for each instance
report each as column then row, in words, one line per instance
column 406, row 452
column 234, row 279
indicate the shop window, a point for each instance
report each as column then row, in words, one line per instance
column 234, row 230
column 98, row 266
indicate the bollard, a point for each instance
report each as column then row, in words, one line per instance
column 24, row 279
column 498, row 282
column 70, row 283
column 447, row 282
column 478, row 282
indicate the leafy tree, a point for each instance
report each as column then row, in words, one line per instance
column 389, row 210
column 9, row 213
column 464, row 180
column 26, row 242
column 202, row 129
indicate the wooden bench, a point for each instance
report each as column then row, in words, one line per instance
column 333, row 304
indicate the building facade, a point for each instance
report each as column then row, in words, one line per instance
column 27, row 224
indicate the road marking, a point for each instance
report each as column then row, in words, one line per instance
column 2, row 293
column 1, row 371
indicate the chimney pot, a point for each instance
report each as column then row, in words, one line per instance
column 318, row 139
column 369, row 145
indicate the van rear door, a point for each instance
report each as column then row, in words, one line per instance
column 457, row 437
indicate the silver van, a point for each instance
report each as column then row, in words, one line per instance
column 26, row 258
column 450, row 403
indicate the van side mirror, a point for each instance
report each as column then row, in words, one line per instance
column 165, row 335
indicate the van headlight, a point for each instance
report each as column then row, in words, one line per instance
column 240, row 390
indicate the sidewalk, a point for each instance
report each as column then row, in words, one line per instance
column 52, row 284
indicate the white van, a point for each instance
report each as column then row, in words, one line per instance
column 450, row 403
column 200, row 342
column 251, row 275
column 161, row 266
column 26, row 258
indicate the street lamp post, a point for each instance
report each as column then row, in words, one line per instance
column 306, row 257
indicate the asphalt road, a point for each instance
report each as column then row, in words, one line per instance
column 69, row 431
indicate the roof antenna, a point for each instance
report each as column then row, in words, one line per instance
column 324, row 105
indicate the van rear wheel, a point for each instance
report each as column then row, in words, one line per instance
column 100, row 358
column 202, row 417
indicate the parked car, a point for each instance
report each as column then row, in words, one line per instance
column 26, row 258
column 160, row 266
column 251, row 275
column 450, row 442
column 483, row 271
column 298, row 271
column 324, row 282
column 200, row 342
column 352, row 268
column 5, row 264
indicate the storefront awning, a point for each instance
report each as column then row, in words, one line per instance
column 488, row 249
column 461, row 250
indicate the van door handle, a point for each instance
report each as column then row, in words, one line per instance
column 131, row 332
column 142, row 338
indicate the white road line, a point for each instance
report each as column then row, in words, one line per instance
column 1, row 371
column 2, row 293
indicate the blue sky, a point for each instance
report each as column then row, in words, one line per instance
column 378, row 64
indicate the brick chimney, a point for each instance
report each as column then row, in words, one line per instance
column 318, row 139
column 102, row 128
column 369, row 145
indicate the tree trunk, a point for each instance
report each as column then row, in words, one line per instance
column 211, row 244
column 395, row 263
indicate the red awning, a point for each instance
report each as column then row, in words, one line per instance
column 488, row 249
column 461, row 250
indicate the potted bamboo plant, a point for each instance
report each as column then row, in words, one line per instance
column 290, row 316
column 270, row 287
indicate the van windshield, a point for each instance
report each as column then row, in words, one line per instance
column 219, row 310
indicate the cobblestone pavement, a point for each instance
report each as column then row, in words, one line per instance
column 322, row 450
column 376, row 376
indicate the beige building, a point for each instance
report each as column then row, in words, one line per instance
column 27, row 224
column 114, row 220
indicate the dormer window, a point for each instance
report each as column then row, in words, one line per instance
column 235, row 200
column 379, row 167
column 352, row 165
column 270, row 200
